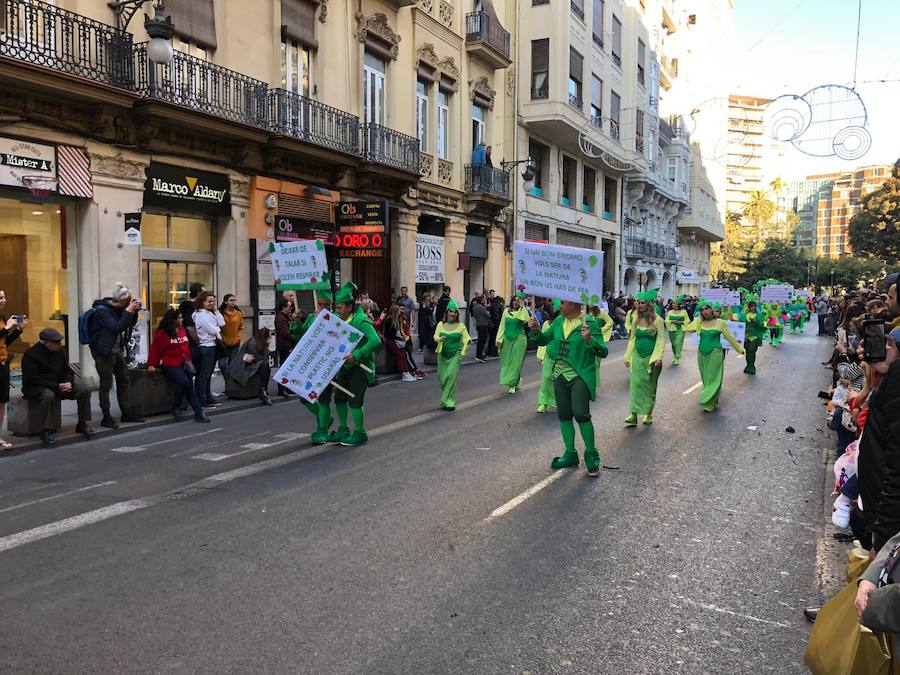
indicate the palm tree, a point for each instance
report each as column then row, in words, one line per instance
column 777, row 186
column 759, row 210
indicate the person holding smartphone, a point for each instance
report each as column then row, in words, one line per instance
column 10, row 330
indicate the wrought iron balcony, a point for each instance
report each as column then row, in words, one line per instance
column 487, row 180
column 193, row 83
column 485, row 37
column 540, row 93
column 381, row 145
column 39, row 33
column 308, row 120
column 634, row 246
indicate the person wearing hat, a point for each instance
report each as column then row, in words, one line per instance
column 452, row 342
column 512, row 343
column 754, row 334
column 546, row 393
column 573, row 345
column 646, row 344
column 710, row 355
column 605, row 322
column 772, row 316
column 321, row 409
column 352, row 376
column 46, row 378
column 676, row 320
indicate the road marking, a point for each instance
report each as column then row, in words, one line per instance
column 61, row 494
column 530, row 492
column 128, row 449
column 694, row 388
column 722, row 610
column 249, row 447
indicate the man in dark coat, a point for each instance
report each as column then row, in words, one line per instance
column 441, row 310
column 46, row 378
column 496, row 305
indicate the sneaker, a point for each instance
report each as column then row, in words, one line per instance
column 131, row 418
column 48, row 438
column 419, row 376
column 592, row 463
column 841, row 515
column 542, row 408
column 480, row 360
column 210, row 405
column 631, row 420
column 338, row 435
column 408, row 378
column 85, row 430
column 202, row 419
column 108, row 422
column 355, row 438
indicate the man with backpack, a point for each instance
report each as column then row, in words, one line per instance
column 109, row 323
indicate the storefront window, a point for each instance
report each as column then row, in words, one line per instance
column 166, row 285
column 33, row 269
column 175, row 232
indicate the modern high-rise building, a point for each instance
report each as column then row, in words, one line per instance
column 840, row 203
column 801, row 197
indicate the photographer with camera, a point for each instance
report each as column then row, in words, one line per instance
column 111, row 322
column 10, row 330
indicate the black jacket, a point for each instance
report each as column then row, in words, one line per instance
column 879, row 460
column 496, row 307
column 441, row 310
column 107, row 324
column 43, row 369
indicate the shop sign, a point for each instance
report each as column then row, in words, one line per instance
column 292, row 229
column 24, row 158
column 429, row 259
column 180, row 189
column 362, row 229
column 133, row 229
column 687, row 277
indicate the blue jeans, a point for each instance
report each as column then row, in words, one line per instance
column 844, row 436
column 204, row 373
column 181, row 381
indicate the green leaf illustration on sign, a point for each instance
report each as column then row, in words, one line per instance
column 594, row 299
column 592, row 261
column 319, row 245
column 585, row 297
column 353, row 337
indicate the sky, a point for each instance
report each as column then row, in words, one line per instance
column 779, row 51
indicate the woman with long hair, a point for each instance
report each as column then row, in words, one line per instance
column 252, row 359
column 646, row 344
column 208, row 324
column 710, row 355
column 10, row 330
column 512, row 343
column 452, row 342
column 232, row 331
column 396, row 337
column 170, row 351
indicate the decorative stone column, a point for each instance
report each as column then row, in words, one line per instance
column 454, row 244
column 495, row 272
column 403, row 250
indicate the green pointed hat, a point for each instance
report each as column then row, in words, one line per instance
column 717, row 306
column 556, row 305
column 324, row 295
column 647, row 296
column 679, row 299
column 452, row 306
column 347, row 294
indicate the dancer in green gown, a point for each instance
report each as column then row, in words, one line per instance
column 646, row 344
column 755, row 332
column 321, row 409
column 512, row 343
column 602, row 318
column 573, row 345
column 352, row 376
column 452, row 342
column 710, row 355
column 547, row 392
column 676, row 320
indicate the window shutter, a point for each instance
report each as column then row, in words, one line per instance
column 536, row 231
column 569, row 238
column 576, row 65
column 540, row 56
column 195, row 21
column 298, row 22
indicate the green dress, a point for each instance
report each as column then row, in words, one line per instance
column 513, row 345
column 711, row 359
column 676, row 320
column 450, row 351
column 547, row 392
column 645, row 347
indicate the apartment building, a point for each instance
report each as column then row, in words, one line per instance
column 353, row 123
column 754, row 158
column 802, row 197
column 839, row 203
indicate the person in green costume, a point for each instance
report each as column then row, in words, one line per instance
column 606, row 324
column 512, row 343
column 676, row 320
column 351, row 376
column 321, row 409
column 646, row 344
column 547, row 392
column 452, row 342
column 710, row 355
column 794, row 314
column 754, row 335
column 573, row 345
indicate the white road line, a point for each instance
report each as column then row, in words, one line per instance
column 128, row 449
column 61, row 494
column 530, row 492
column 722, row 610
column 694, row 388
column 249, row 447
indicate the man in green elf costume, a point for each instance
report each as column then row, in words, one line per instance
column 352, row 376
column 573, row 345
column 755, row 332
column 321, row 409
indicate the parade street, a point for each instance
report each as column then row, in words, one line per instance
column 445, row 544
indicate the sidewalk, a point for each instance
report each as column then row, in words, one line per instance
column 67, row 435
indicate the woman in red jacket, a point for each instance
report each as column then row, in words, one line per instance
column 170, row 351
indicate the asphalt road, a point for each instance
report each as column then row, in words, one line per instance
column 444, row 545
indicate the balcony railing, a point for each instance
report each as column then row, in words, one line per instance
column 199, row 85
column 487, row 180
column 40, row 33
column 576, row 10
column 638, row 247
column 539, row 93
column 635, row 246
column 575, row 101
column 385, row 146
column 482, row 28
column 301, row 117
column 616, row 59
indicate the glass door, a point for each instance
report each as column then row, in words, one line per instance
column 166, row 285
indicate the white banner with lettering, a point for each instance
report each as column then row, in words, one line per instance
column 724, row 296
column 429, row 259
column 781, row 293
column 559, row 272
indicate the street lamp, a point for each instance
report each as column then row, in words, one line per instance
column 160, row 28
column 528, row 175
column 832, row 282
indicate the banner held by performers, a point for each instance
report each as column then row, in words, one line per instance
column 300, row 265
column 777, row 294
column 560, row 272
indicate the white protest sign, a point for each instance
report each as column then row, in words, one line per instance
column 738, row 329
column 300, row 265
column 429, row 259
column 318, row 356
column 778, row 294
column 559, row 272
column 803, row 293
column 724, row 296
